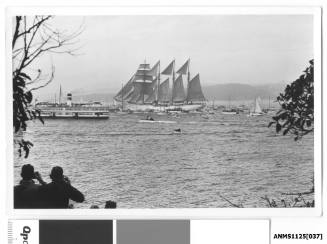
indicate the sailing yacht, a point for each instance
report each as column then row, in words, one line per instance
column 229, row 110
column 256, row 110
column 150, row 89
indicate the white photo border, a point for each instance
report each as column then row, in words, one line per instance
column 170, row 213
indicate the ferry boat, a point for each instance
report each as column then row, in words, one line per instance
column 70, row 110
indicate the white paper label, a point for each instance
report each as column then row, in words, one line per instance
column 23, row 232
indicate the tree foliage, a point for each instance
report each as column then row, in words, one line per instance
column 32, row 38
column 296, row 115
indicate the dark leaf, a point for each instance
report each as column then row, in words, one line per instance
column 278, row 127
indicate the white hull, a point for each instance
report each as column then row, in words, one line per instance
column 72, row 113
column 46, row 116
column 229, row 113
column 145, row 107
column 255, row 114
column 157, row 121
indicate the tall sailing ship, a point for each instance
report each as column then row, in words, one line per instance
column 151, row 89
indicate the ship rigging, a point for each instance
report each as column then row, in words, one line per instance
column 150, row 86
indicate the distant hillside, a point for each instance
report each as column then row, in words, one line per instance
column 232, row 91
column 101, row 97
column 235, row 91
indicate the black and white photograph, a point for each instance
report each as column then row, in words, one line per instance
column 163, row 111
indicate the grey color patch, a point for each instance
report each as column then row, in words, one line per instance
column 153, row 232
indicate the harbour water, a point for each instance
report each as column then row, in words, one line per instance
column 146, row 165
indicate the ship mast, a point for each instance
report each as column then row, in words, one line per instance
column 188, row 79
column 172, row 92
column 143, row 87
column 60, row 95
column 158, row 84
column 122, row 97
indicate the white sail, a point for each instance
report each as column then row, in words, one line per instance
column 183, row 70
column 163, row 95
column 194, row 93
column 143, row 73
column 170, row 68
column 126, row 90
column 145, row 87
column 257, row 108
column 151, row 92
column 154, row 70
column 178, row 90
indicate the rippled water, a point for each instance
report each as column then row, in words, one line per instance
column 145, row 165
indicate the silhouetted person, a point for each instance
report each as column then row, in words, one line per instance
column 57, row 193
column 148, row 117
column 110, row 204
column 26, row 194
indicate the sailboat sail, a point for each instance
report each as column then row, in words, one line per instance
column 154, row 70
column 144, row 87
column 195, row 93
column 183, row 70
column 169, row 69
column 178, row 90
column 143, row 73
column 163, row 95
column 143, row 76
column 128, row 95
column 135, row 95
column 141, row 92
column 257, row 108
column 144, row 66
column 150, row 92
column 126, row 90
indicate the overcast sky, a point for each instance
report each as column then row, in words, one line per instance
column 223, row 49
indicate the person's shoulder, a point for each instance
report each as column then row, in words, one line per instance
column 17, row 188
column 46, row 186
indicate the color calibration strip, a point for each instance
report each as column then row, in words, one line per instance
column 138, row 231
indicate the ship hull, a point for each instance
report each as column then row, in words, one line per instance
column 255, row 114
column 170, row 108
column 229, row 113
column 73, row 113
column 74, row 117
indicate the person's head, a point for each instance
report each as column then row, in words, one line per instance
column 57, row 173
column 110, row 204
column 27, row 172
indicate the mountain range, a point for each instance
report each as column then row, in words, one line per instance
column 237, row 91
column 222, row 92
